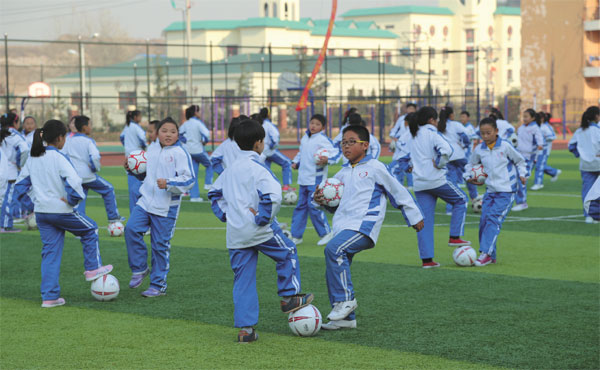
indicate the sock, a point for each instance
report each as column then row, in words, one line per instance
column 454, row 237
column 427, row 260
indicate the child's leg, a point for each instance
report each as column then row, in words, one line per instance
column 161, row 232
column 427, row 202
column 81, row 206
column 453, row 195
column 472, row 189
column 539, row 168
column 6, row 215
column 245, row 297
column 452, row 177
column 300, row 214
column 137, row 252
column 283, row 251
column 133, row 183
column 521, row 196
column 548, row 170
column 107, row 191
column 208, row 174
column 85, row 228
column 317, row 216
column 195, row 191
column 53, row 240
column 587, row 180
column 497, row 206
column 286, row 166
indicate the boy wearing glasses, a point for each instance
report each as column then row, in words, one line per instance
column 358, row 219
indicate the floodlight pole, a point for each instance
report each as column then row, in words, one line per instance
column 188, row 40
column 81, row 75
column 6, row 71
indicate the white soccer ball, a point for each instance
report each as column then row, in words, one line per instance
column 464, row 256
column 305, row 322
column 290, row 198
column 477, row 205
column 116, row 228
column 321, row 153
column 136, row 162
column 478, row 174
column 513, row 139
column 105, row 288
column 30, row 222
column 332, row 190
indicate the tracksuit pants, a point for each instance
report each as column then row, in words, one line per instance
column 427, row 199
column 161, row 232
column 243, row 263
column 456, row 169
column 521, row 196
column 107, row 191
column 12, row 207
column 541, row 167
column 338, row 257
column 587, row 180
column 197, row 159
column 305, row 207
column 284, row 162
column 399, row 168
column 52, row 228
column 133, row 184
column 495, row 209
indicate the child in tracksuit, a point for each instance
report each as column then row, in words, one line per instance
column 400, row 165
column 530, row 141
column 133, row 138
column 429, row 152
column 247, row 196
column 500, row 162
column 169, row 173
column 56, row 189
column 585, row 145
column 464, row 119
column 194, row 135
column 311, row 174
column 83, row 153
column 271, row 153
column 227, row 152
column 541, row 167
column 357, row 220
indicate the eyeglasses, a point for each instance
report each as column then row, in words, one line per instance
column 351, row 142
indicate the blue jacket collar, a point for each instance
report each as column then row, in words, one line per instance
column 498, row 142
column 135, row 123
column 367, row 158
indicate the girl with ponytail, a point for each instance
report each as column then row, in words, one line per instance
column 194, row 134
column 133, row 138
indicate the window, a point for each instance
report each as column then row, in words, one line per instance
column 266, row 10
column 232, row 50
column 470, row 55
column 274, row 10
column 470, row 76
column 316, row 51
column 126, row 98
column 388, row 56
column 509, row 31
column 432, row 30
column 346, row 52
column 418, row 53
column 374, row 55
column 331, row 52
column 509, row 54
column 491, row 32
column 361, row 53
column 445, row 31
column 445, row 73
column 470, row 34
column 509, row 75
column 444, row 55
column 389, row 26
column 75, row 98
column 418, row 29
column 285, row 11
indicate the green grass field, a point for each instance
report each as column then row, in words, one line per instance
column 539, row 307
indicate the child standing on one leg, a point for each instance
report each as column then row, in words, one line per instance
column 357, row 220
column 169, row 173
column 133, row 138
column 500, row 162
column 247, row 196
column 194, row 136
column 56, row 188
column 271, row 153
column 530, row 140
column 311, row 174
column 542, row 168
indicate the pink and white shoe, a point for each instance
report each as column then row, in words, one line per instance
column 458, row 242
column 287, row 188
column 430, row 265
column 53, row 303
column 95, row 274
column 483, row 260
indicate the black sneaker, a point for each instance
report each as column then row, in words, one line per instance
column 245, row 337
column 296, row 302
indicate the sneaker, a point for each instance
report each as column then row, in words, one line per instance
column 555, row 177
column 120, row 219
column 520, row 207
column 484, row 259
column 148, row 232
column 339, row 324
column 247, row 335
column 136, row 279
column 325, row 239
column 536, row 187
column 9, row 230
column 590, row 220
column 53, row 303
column 287, row 188
column 196, row 200
column 448, row 213
column 207, row 187
column 95, row 274
column 342, row 309
column 296, row 241
column 18, row 220
column 457, row 242
column 296, row 302
column 430, row 265
column 152, row 292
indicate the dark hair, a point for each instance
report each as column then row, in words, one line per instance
column 27, row 117
column 465, row 113
column 445, row 112
column 191, row 111
column 167, row 120
column 248, row 133
column 531, row 113
column 542, row 116
column 589, row 116
column 256, row 117
column 52, row 130
column 354, row 119
column 489, row 121
column 131, row 115
column 496, row 113
column 361, row 131
column 235, row 122
column 263, row 113
column 548, row 116
column 321, row 118
column 7, row 121
column 81, row 121
column 154, row 123
column 420, row 118
column 411, row 105
column 347, row 115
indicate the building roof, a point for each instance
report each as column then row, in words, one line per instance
column 507, row 10
column 234, row 24
column 405, row 9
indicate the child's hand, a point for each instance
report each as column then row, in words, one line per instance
column 322, row 161
column 253, row 211
column 162, row 183
column 64, row 200
column 319, row 197
column 295, row 166
column 409, row 170
column 474, row 182
column 419, row 225
column 523, row 180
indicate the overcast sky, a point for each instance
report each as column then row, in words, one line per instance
column 47, row 19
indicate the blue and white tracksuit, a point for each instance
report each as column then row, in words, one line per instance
column 505, row 129
column 458, row 137
column 358, row 218
column 591, row 203
column 194, row 135
column 29, row 138
column 399, row 127
column 502, row 164
column 247, row 184
column 56, row 190
column 224, row 155
column 585, row 145
column 429, row 152
column 16, row 151
column 541, row 166
column 529, row 137
column 272, row 154
column 83, row 153
column 472, row 134
column 400, row 164
column 158, row 209
column 133, row 138
column 309, row 176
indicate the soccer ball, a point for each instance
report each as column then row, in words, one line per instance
column 478, row 174
column 477, row 205
column 321, row 153
column 464, row 256
column 116, row 228
column 513, row 139
column 305, row 322
column 105, row 288
column 332, row 190
column 290, row 198
column 30, row 222
column 136, row 162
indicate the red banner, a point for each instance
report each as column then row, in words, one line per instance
column 303, row 99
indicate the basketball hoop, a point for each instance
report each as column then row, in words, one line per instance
column 39, row 90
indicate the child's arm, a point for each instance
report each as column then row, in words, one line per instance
column 71, row 181
column 514, row 156
column 296, row 160
column 141, row 134
column 122, row 137
column 269, row 203
column 182, row 132
column 184, row 174
column 474, row 160
column 443, row 150
column 94, row 156
column 334, row 152
column 218, row 203
column 400, row 198
column 23, row 183
column 573, row 145
column 216, row 159
column 375, row 147
column 539, row 138
column 204, row 133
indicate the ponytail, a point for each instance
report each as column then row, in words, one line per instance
column 191, row 111
column 7, row 120
column 420, row 118
column 496, row 113
column 263, row 114
column 52, row 130
column 589, row 116
column 445, row 112
column 131, row 115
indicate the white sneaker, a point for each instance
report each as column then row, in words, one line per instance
column 296, row 240
column 342, row 309
column 325, row 239
column 207, row 187
column 520, row 207
column 590, row 220
column 196, row 200
column 536, row 187
column 555, row 177
column 339, row 324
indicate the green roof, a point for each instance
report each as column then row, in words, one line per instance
column 405, row 9
column 354, row 32
column 234, row 24
column 507, row 10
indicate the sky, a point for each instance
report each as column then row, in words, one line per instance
column 48, row 19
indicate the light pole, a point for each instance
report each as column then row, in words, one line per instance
column 262, row 77
column 81, row 54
